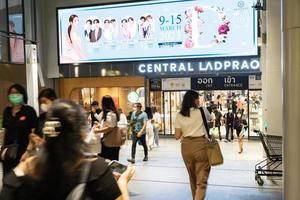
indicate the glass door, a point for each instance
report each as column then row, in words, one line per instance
column 172, row 104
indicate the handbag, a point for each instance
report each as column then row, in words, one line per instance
column 116, row 137
column 10, row 150
column 213, row 149
column 214, row 132
column 214, row 153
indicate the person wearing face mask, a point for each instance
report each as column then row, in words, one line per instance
column 229, row 118
column 19, row 120
column 46, row 97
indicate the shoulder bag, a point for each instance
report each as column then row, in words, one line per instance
column 10, row 151
column 213, row 149
column 116, row 137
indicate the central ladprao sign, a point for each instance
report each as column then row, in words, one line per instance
column 202, row 66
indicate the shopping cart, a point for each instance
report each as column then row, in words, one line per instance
column 272, row 165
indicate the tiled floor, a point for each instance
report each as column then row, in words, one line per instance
column 164, row 176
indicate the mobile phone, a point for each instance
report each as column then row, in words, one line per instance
column 115, row 166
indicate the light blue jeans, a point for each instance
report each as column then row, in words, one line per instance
column 156, row 136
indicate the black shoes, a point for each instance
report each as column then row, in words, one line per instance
column 131, row 160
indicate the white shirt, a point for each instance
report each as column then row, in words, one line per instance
column 190, row 126
column 111, row 119
column 156, row 117
column 123, row 120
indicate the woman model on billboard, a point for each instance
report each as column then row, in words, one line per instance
column 74, row 51
column 16, row 45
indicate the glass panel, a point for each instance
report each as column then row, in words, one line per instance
column 3, row 15
column 16, row 48
column 237, row 100
column 3, row 49
column 167, row 112
column 15, row 16
column 255, row 112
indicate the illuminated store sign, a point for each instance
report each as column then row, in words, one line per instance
column 237, row 65
column 220, row 83
column 156, row 30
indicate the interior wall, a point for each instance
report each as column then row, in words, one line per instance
column 66, row 85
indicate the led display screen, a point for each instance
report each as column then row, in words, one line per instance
column 155, row 30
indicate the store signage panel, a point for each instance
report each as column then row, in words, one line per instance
column 155, row 84
column 255, row 82
column 176, row 83
column 155, row 30
column 239, row 64
column 220, row 83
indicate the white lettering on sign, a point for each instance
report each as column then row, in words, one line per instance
column 255, row 64
column 229, row 79
column 205, row 81
column 226, row 65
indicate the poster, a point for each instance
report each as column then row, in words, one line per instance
column 157, row 30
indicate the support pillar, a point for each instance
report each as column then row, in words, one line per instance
column 291, row 98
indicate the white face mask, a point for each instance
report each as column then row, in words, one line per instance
column 44, row 107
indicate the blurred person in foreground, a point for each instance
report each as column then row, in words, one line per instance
column 45, row 98
column 56, row 169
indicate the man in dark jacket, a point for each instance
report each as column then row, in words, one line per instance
column 229, row 118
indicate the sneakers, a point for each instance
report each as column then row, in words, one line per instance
column 145, row 159
column 131, row 160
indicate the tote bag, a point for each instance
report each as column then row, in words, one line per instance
column 116, row 137
column 213, row 149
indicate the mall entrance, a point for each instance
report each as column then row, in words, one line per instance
column 169, row 103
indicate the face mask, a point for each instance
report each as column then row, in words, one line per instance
column 238, row 116
column 15, row 99
column 44, row 107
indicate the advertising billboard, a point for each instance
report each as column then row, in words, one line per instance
column 155, row 30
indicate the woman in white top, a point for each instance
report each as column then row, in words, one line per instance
column 190, row 128
column 157, row 123
column 149, row 128
column 109, row 118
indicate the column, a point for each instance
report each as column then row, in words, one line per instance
column 271, row 70
column 291, row 98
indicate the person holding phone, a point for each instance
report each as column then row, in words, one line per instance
column 55, row 171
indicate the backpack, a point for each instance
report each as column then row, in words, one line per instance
column 79, row 191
